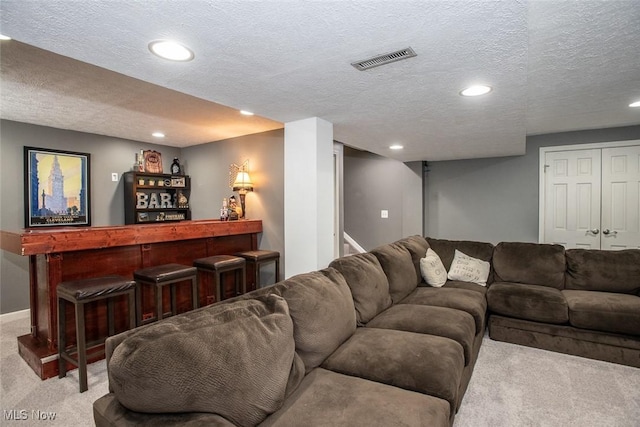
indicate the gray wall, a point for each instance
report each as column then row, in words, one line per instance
column 496, row 199
column 209, row 178
column 373, row 183
column 208, row 165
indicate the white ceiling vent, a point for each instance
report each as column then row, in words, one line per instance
column 387, row 58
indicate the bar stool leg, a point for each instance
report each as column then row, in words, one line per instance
column 82, row 346
column 132, row 309
column 110, row 317
column 243, row 279
column 62, row 339
column 174, row 300
column 138, row 297
column 257, row 278
column 158, row 302
column 277, row 270
column 194, row 293
column 236, row 279
column 218, row 284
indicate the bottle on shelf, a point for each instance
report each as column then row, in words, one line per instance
column 175, row 166
column 224, row 212
column 140, row 161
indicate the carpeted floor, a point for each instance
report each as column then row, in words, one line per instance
column 514, row 385
column 511, row 386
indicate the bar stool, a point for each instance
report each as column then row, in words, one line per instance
column 80, row 292
column 258, row 258
column 161, row 276
column 220, row 264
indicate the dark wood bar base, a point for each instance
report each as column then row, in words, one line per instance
column 72, row 253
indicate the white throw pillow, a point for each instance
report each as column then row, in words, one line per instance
column 468, row 269
column 432, row 269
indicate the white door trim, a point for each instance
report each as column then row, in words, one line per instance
column 541, row 159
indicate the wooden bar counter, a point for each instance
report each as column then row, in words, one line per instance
column 69, row 253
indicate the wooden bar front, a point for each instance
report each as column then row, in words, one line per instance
column 70, row 253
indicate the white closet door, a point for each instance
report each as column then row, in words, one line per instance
column 572, row 198
column 621, row 197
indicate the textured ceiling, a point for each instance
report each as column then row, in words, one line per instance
column 554, row 66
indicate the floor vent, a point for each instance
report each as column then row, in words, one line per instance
column 387, row 58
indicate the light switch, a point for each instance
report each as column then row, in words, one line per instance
column 384, row 213
column 114, row 177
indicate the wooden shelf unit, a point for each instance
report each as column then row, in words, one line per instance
column 153, row 198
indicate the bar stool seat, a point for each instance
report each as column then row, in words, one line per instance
column 220, row 264
column 160, row 276
column 258, row 258
column 80, row 292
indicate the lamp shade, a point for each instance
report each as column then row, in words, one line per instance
column 242, row 182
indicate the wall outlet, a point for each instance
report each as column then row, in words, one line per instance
column 384, row 213
column 114, row 177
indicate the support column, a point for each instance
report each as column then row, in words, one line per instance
column 308, row 195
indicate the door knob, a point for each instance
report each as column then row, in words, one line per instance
column 594, row 231
column 607, row 232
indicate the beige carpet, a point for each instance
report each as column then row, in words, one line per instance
column 514, row 385
column 511, row 386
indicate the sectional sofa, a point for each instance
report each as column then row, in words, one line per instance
column 575, row 301
column 365, row 342
column 356, row 344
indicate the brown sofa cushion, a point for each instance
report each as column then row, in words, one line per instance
column 322, row 310
column 604, row 311
column 530, row 263
column 446, row 251
column 608, row 271
column 233, row 359
column 396, row 263
column 368, row 284
column 417, row 362
column 472, row 302
column 466, row 285
column 529, row 302
column 417, row 247
column 327, row 398
column 424, row 319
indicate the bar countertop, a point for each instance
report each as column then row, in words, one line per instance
column 63, row 239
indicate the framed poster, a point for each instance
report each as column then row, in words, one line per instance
column 56, row 188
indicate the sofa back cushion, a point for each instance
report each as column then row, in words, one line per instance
column 446, row 251
column 235, row 360
column 530, row 263
column 368, row 284
column 608, row 271
column 417, row 247
column 398, row 266
column 323, row 313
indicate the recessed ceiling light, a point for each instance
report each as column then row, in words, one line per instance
column 168, row 49
column 476, row 90
column 3, row 37
column 158, row 134
column 635, row 104
column 396, row 147
column 246, row 113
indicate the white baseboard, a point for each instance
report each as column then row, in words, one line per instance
column 15, row 315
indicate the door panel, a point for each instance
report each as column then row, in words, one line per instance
column 621, row 198
column 572, row 198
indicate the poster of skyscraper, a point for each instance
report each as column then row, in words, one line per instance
column 56, row 189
